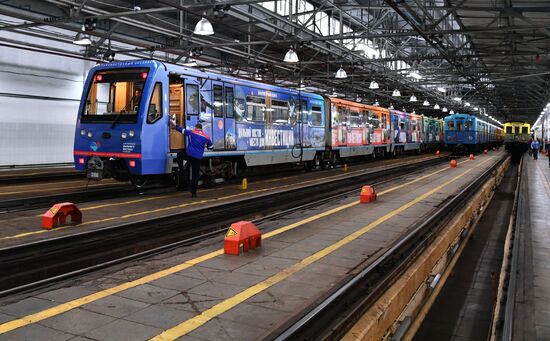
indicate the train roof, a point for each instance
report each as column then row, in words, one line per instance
column 356, row 104
column 172, row 68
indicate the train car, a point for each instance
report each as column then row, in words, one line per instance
column 468, row 133
column 123, row 128
column 406, row 132
column 433, row 133
column 516, row 136
column 357, row 129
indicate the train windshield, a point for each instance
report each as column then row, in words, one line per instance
column 114, row 96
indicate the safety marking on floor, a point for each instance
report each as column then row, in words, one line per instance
column 82, row 187
column 202, row 318
column 62, row 308
column 130, row 215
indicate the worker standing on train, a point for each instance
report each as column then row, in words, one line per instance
column 535, row 146
column 196, row 141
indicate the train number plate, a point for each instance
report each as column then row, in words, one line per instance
column 95, row 174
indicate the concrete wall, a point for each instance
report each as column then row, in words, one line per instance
column 39, row 98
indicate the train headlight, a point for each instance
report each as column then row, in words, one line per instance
column 131, row 133
column 90, row 134
column 124, row 135
column 83, row 132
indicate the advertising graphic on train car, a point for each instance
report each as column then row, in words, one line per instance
column 271, row 120
column 338, row 124
column 378, row 121
column 401, row 127
column 416, row 128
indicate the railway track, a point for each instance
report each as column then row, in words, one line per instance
column 330, row 319
column 42, row 262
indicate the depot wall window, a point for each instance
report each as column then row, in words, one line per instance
column 154, row 112
column 192, row 100
column 218, row 101
column 229, row 102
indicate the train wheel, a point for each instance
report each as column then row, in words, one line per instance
column 314, row 164
column 139, row 181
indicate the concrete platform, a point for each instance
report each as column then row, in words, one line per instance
column 198, row 293
column 532, row 304
column 20, row 227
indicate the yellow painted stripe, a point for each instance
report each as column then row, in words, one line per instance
column 199, row 320
column 59, row 309
column 83, row 186
column 126, row 216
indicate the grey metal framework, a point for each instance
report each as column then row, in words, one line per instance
column 487, row 57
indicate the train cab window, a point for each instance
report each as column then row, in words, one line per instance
column 451, row 125
column 218, row 101
column 280, row 111
column 524, row 130
column 316, row 116
column 114, row 95
column 154, row 112
column 192, row 99
column 255, row 108
column 468, row 125
column 229, row 102
column 508, row 130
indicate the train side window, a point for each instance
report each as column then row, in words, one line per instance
column 374, row 119
column 280, row 111
column 229, row 102
column 218, row 101
column 508, row 130
column 304, row 112
column 256, row 108
column 192, row 99
column 468, row 125
column 316, row 116
column 155, row 106
column 451, row 125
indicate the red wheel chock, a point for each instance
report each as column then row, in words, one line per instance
column 57, row 215
column 368, row 194
column 242, row 235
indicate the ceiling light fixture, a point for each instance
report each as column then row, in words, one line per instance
column 415, row 75
column 413, row 98
column 444, row 109
column 451, row 112
column 291, row 57
column 341, row 73
column 441, row 89
column 396, row 93
column 373, row 85
column 436, row 106
column 426, row 103
column 376, row 103
column 204, row 28
column 391, row 106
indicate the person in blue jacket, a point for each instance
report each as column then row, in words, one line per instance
column 535, row 146
column 196, row 141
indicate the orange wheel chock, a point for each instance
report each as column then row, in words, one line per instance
column 472, row 157
column 242, row 235
column 485, row 151
column 453, row 164
column 57, row 215
column 437, row 152
column 368, row 194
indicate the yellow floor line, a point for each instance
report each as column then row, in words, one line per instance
column 41, row 231
column 199, row 320
column 59, row 309
column 83, row 186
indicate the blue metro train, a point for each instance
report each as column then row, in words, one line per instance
column 471, row 134
column 123, row 123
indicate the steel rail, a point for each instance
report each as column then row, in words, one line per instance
column 330, row 319
column 46, row 261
